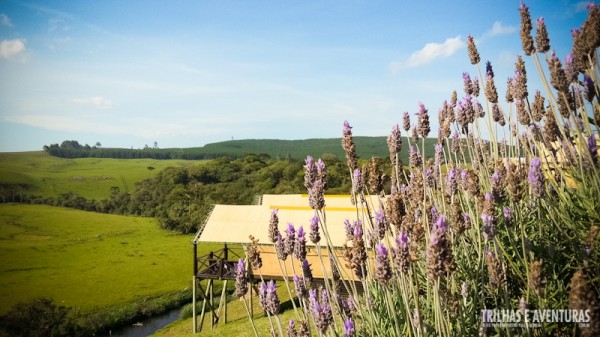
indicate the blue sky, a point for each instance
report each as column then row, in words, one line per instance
column 188, row 73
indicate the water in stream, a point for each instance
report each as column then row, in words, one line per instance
column 149, row 325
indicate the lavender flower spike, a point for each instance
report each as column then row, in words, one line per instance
column 536, row 178
column 241, row 284
column 314, row 235
column 383, row 271
column 348, row 327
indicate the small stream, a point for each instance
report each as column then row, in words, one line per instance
column 148, row 326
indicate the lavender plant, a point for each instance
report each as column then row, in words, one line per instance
column 499, row 223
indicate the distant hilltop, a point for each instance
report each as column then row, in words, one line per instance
column 293, row 150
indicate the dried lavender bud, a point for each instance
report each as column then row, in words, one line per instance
column 357, row 182
column 526, row 27
column 349, row 147
column 589, row 87
column 472, row 48
column 519, row 86
column 537, row 281
column 455, row 146
column 497, row 114
column 375, row 176
column 537, row 111
column 542, row 41
column 291, row 329
column 571, row 71
column 401, row 255
column 310, row 172
column 300, row 245
column 254, row 254
column 314, row 235
column 383, row 271
column 394, row 141
column 423, row 121
column 491, row 93
column 241, row 283
column 558, row 77
column 522, row 113
column 496, row 275
column 551, row 130
column 479, row 112
column 467, row 84
column 262, row 295
column 316, row 196
column 439, row 258
column 406, row 121
column 290, row 240
column 583, row 297
column 273, row 226
column 380, row 224
column 280, row 247
column 509, row 97
column 414, row 157
column 395, row 209
column 451, row 183
column 414, row 134
column 307, row 271
column 536, row 178
column 475, row 87
column 359, row 254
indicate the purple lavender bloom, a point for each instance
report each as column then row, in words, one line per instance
column 347, row 130
column 358, row 231
column 451, row 184
column 307, row 271
column 536, row 178
column 468, row 84
column 488, row 69
column 310, row 172
column 383, row 270
column 280, row 248
column 300, row 287
column 357, row 181
column 291, row 329
column 489, row 227
column 271, row 298
column 380, row 224
column 507, row 212
column 241, row 284
column 314, row 235
column 402, row 240
column 593, row 148
column 348, row 327
column 290, row 239
column 262, row 295
column 316, row 198
column 300, row 245
column 434, row 214
column 489, row 196
column 349, row 228
column 320, row 309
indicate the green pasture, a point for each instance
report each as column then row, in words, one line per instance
column 91, row 178
column 87, row 260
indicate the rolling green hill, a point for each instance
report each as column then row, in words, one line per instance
column 40, row 174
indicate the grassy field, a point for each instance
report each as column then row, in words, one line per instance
column 87, row 260
column 91, row 178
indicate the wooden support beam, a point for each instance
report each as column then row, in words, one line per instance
column 195, row 317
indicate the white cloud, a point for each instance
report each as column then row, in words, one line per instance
column 10, row 48
column 429, row 53
column 499, row 29
column 97, row 101
column 5, row 20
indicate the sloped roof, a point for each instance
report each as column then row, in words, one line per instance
column 235, row 223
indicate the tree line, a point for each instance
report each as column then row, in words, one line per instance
column 181, row 197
